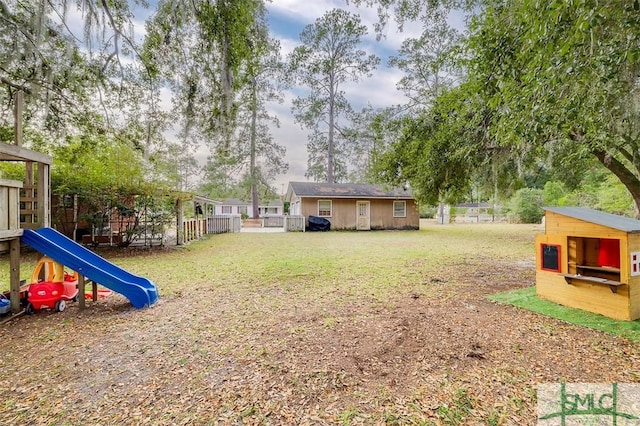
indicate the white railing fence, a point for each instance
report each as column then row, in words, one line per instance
column 289, row 223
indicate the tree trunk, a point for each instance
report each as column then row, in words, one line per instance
column 330, row 153
column 626, row 176
column 494, row 168
column 253, row 170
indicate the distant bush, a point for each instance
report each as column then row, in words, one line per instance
column 554, row 193
column 525, row 206
column 428, row 212
column 613, row 197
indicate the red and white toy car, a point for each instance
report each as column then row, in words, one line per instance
column 51, row 287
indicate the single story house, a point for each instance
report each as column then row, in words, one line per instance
column 234, row 206
column 272, row 208
column 354, row 206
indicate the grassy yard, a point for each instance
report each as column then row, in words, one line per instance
column 307, row 328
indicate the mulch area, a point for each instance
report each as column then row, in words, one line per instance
column 445, row 355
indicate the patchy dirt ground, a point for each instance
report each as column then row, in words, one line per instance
column 438, row 353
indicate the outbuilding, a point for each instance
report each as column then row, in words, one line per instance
column 590, row 260
column 354, row 206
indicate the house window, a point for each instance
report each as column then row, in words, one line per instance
column 226, row 209
column 550, row 254
column 242, row 209
column 66, row 201
column 324, row 208
column 399, row 209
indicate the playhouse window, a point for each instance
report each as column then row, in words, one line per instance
column 635, row 263
column 550, row 255
column 594, row 257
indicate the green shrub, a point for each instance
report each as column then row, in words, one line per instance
column 526, row 206
column 428, row 212
column 553, row 193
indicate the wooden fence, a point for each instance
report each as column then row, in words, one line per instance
column 273, row 221
column 289, row 223
column 294, row 223
column 222, row 224
column 195, row 228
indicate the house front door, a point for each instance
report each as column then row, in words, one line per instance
column 363, row 216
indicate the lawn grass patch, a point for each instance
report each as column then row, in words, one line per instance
column 526, row 298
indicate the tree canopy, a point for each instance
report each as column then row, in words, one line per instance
column 546, row 84
column 562, row 79
column 106, row 84
column 532, row 92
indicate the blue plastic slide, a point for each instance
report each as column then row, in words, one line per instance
column 140, row 291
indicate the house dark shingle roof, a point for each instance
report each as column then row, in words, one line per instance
column 346, row 190
column 609, row 220
column 238, row 202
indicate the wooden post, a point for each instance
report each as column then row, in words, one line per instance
column 81, row 286
column 43, row 196
column 94, row 290
column 14, row 274
column 180, row 222
column 75, row 217
column 29, row 196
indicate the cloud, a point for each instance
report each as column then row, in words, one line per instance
column 290, row 135
column 303, row 10
column 294, row 15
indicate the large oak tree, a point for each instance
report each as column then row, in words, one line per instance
column 562, row 79
column 549, row 82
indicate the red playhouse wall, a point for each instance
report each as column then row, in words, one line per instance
column 609, row 253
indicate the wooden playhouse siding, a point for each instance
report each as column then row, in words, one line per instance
column 585, row 295
column 381, row 211
column 569, row 226
column 633, row 245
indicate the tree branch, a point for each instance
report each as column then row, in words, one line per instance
column 618, row 168
column 15, row 85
